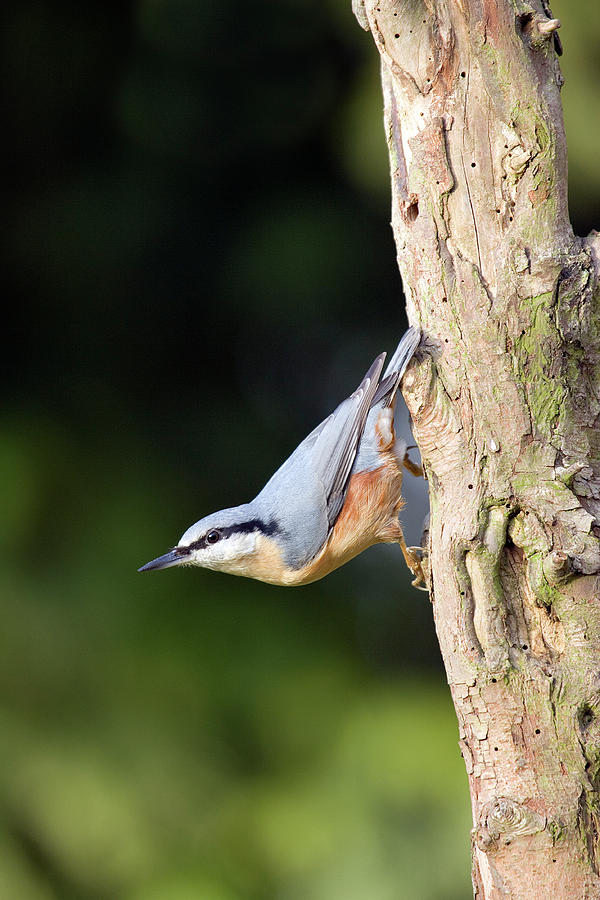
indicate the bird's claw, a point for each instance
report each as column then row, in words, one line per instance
column 413, row 467
column 418, row 549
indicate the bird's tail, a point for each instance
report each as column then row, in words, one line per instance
column 404, row 352
column 390, row 382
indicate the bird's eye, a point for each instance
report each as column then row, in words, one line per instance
column 212, row 537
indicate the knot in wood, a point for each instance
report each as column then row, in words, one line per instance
column 517, row 160
column 502, row 820
column 538, row 29
column 557, row 567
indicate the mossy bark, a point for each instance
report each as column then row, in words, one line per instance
column 505, row 403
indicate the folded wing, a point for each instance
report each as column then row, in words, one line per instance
column 306, row 494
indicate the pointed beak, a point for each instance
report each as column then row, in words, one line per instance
column 172, row 558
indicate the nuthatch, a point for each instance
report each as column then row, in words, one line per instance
column 337, row 494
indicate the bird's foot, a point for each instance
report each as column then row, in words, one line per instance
column 416, row 559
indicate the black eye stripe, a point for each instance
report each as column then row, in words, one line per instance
column 267, row 528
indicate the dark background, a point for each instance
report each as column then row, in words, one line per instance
column 199, row 267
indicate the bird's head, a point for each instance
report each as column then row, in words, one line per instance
column 233, row 540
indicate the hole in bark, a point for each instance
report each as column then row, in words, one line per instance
column 510, row 218
column 494, row 680
column 496, row 749
column 396, row 35
column 445, row 340
column 497, row 210
column 473, row 165
column 524, row 20
column 463, row 74
column 525, row 647
column 412, row 211
column 537, row 731
column 585, row 716
column 470, row 486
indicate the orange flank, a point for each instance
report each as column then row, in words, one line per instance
column 369, row 516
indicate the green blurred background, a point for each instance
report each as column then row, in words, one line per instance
column 199, row 267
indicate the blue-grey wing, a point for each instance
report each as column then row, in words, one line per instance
column 307, row 492
column 336, row 445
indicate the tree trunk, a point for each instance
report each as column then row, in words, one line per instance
column 505, row 406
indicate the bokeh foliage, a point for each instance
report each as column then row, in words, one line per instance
column 200, row 265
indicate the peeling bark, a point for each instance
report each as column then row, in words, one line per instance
column 505, row 405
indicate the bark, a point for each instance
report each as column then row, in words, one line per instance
column 505, row 406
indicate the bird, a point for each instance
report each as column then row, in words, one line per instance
column 338, row 493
